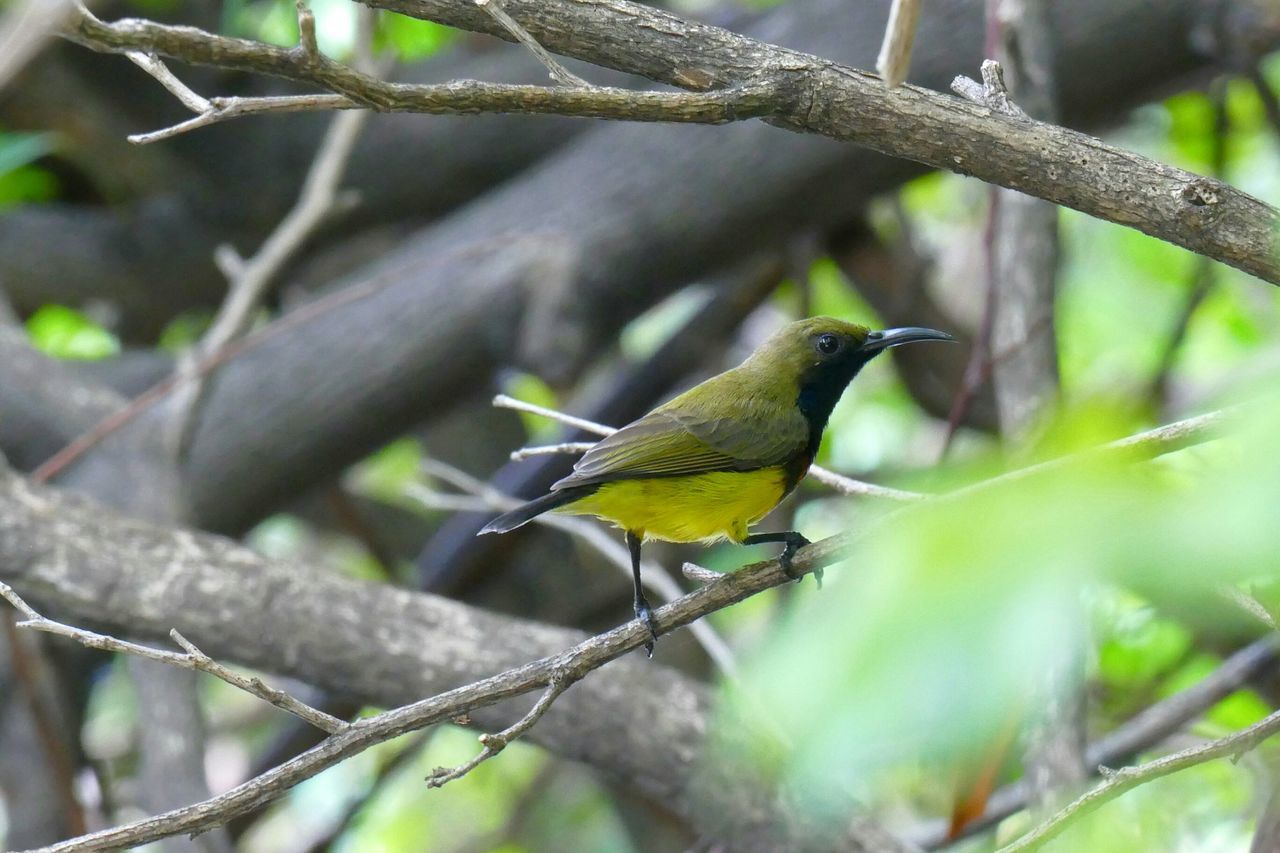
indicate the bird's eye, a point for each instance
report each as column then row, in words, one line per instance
column 827, row 344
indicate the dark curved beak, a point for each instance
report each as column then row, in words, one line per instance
column 877, row 341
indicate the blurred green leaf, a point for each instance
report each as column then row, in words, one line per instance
column 531, row 389
column 410, row 38
column 929, row 639
column 184, row 330
column 21, row 181
column 64, row 332
column 387, row 473
column 1142, row 650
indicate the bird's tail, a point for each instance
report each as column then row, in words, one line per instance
column 527, row 512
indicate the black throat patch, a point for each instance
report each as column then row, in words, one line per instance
column 820, row 390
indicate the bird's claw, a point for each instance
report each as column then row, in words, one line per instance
column 794, row 543
column 644, row 614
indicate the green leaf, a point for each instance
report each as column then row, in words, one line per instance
column 531, row 389
column 411, row 38
column 64, row 332
column 386, row 473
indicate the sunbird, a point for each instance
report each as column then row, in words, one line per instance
column 713, row 461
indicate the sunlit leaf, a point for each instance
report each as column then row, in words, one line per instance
column 66, row 333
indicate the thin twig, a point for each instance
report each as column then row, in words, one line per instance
column 1249, row 604
column 492, row 744
column 558, row 72
column 251, row 279
column 894, row 61
column 149, row 63
column 849, row 486
column 1117, row 782
column 839, row 482
column 317, row 202
column 226, row 108
column 570, row 447
column 502, row 401
column 307, row 31
column 699, row 574
column 193, row 659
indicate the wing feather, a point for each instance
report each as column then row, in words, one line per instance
column 683, row 438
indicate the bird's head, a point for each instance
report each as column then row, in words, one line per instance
column 821, row 355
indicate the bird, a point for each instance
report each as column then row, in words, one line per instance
column 713, row 461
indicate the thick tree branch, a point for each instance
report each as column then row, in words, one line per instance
column 798, row 91
column 1064, row 167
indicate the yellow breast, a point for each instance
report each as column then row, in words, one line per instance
column 697, row 508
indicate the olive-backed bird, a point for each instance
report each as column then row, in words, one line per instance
column 716, row 459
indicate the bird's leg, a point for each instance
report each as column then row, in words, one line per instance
column 792, row 542
column 641, row 604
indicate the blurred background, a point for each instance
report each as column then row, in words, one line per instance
column 599, row 268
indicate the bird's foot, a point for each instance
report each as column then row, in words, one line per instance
column 794, row 542
column 644, row 614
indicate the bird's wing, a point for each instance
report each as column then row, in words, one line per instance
column 667, row 443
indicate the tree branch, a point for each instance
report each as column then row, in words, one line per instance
column 1061, row 166
column 1146, row 729
column 193, row 659
column 1127, row 778
column 189, row 44
column 797, row 91
column 495, row 743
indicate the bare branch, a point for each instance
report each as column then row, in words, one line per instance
column 797, row 91
column 502, row 401
column 307, row 31
column 558, row 72
column 698, row 574
column 1117, row 782
column 225, row 109
column 157, row 69
column 319, row 199
column 495, row 743
column 849, row 486
column 192, row 659
column 569, row 447
column 894, row 61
